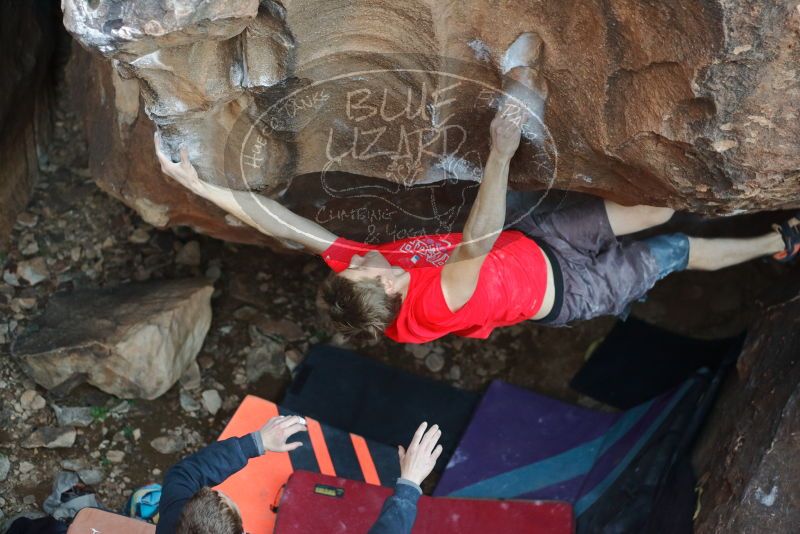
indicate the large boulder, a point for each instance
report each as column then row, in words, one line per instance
column 373, row 118
column 748, row 458
column 133, row 341
column 27, row 31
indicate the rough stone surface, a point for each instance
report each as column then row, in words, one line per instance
column 212, row 401
column 264, row 356
column 188, row 403
column 91, row 476
column 748, row 458
column 80, row 416
column 434, row 362
column 33, row 271
column 32, row 401
column 51, row 437
column 133, row 340
column 189, row 254
column 689, row 104
column 168, row 444
column 115, row 457
column 5, row 467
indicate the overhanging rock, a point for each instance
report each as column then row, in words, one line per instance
column 373, row 117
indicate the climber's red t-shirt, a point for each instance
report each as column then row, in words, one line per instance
column 511, row 285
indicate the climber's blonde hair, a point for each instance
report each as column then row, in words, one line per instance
column 359, row 309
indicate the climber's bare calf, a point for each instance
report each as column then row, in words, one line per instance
column 714, row 254
column 704, row 254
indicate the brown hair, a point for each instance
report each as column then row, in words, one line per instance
column 207, row 513
column 359, row 309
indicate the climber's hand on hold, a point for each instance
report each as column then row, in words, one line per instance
column 262, row 213
column 278, row 430
column 183, row 171
column 505, row 136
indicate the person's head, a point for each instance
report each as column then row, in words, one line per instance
column 210, row 512
column 364, row 299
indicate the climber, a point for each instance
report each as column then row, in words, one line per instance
column 552, row 268
column 188, row 504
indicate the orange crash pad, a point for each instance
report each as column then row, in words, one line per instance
column 256, row 489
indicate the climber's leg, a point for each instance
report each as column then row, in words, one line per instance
column 631, row 219
column 714, row 254
column 606, row 283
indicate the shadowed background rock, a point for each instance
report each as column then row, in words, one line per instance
column 26, row 49
column 692, row 105
column 749, row 471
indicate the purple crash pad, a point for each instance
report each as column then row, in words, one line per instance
column 523, row 445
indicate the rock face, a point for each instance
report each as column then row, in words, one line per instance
column 130, row 341
column 26, row 48
column 374, row 119
column 747, row 458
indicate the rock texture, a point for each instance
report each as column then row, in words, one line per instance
column 339, row 107
column 27, row 32
column 747, row 459
column 130, row 341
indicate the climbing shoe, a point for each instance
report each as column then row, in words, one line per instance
column 790, row 232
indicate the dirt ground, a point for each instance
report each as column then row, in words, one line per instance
column 90, row 240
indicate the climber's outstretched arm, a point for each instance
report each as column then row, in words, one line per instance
column 262, row 213
column 486, row 218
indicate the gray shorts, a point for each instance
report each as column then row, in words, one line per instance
column 595, row 273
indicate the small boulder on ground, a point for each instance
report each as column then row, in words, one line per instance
column 5, row 467
column 80, row 416
column 51, row 437
column 31, row 401
column 132, row 341
column 168, row 444
column 33, row 271
column 212, row 401
column 267, row 357
column 189, row 254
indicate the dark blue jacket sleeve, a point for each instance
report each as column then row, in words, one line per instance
column 207, row 467
column 399, row 511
